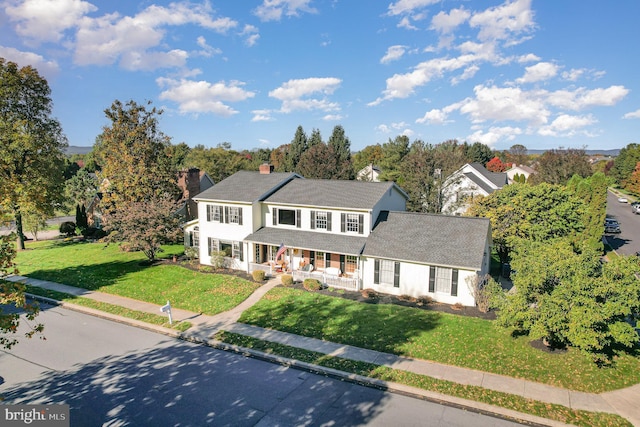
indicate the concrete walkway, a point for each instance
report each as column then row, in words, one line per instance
column 625, row 402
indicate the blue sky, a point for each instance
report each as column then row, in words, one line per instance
column 544, row 74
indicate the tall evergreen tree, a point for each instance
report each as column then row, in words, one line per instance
column 341, row 147
column 297, row 146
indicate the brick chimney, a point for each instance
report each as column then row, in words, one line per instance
column 266, row 169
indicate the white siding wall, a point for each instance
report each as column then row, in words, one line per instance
column 393, row 200
column 305, row 219
column 223, row 231
column 414, row 281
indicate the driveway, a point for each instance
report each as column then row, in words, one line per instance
column 628, row 241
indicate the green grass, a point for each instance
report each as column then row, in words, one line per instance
column 479, row 394
column 450, row 339
column 97, row 267
column 153, row 319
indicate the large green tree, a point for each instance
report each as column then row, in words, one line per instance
column 625, row 164
column 134, row 155
column 12, row 294
column 31, row 144
column 565, row 295
column 298, row 145
column 341, row 148
column 536, row 213
column 218, row 162
column 558, row 166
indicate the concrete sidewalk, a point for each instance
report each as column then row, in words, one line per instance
column 623, row 402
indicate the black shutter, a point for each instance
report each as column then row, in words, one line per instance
column 209, row 239
column 376, row 271
column 327, row 259
column 208, row 212
column 312, row 258
column 396, row 275
column 342, row 263
column 226, row 215
column 298, row 220
column 313, row 220
column 328, row 221
column 275, row 216
column 454, row 282
column 361, row 224
column 241, row 250
column 342, row 222
column 432, row 279
column 240, row 217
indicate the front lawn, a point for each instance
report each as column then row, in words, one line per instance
column 440, row 337
column 97, row 267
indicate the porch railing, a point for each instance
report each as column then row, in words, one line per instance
column 347, row 283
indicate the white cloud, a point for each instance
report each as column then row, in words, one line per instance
column 332, row 117
column 581, row 98
column 104, row 40
column 294, row 93
column 251, row 34
column 446, row 22
column 573, row 74
column 494, row 135
column 261, row 116
column 149, row 61
column 272, row 10
column 468, row 73
column 538, row 72
column 45, row 68
column 529, row 57
column 632, row 115
column 405, row 23
column 566, row 125
column 393, row 53
column 206, row 49
column 434, row 117
column 402, row 7
column 501, row 104
column 202, row 96
column 403, row 85
column 504, row 21
column 46, row 20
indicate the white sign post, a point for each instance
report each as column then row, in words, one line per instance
column 167, row 309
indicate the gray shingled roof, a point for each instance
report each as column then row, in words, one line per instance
column 245, row 186
column 452, row 241
column 332, row 193
column 315, row 241
column 480, row 182
column 499, row 179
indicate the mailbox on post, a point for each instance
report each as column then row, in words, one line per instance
column 167, row 309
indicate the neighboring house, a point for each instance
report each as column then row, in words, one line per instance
column 192, row 182
column 519, row 170
column 470, row 181
column 348, row 234
column 369, row 173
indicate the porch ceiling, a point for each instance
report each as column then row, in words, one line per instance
column 315, row 241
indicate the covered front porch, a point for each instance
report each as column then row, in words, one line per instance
column 332, row 259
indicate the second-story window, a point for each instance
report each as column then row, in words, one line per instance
column 352, row 223
column 234, row 215
column 321, row 220
column 287, row 217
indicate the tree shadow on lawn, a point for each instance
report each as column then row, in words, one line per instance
column 91, row 277
column 178, row 383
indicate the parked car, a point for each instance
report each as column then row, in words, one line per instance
column 623, row 200
column 610, row 221
column 635, row 207
column 612, row 229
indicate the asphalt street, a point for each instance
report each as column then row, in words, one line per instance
column 114, row 374
column 628, row 241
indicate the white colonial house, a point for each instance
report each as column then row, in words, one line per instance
column 471, row 180
column 348, row 234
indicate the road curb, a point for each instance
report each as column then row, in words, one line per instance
column 396, row 388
